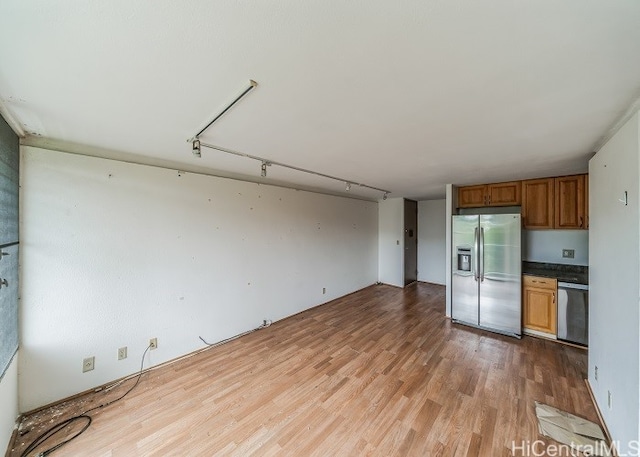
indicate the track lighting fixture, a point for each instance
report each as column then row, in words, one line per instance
column 252, row 85
column 197, row 145
column 196, row 148
column 267, row 163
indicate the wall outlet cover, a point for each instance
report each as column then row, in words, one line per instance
column 568, row 253
column 88, row 364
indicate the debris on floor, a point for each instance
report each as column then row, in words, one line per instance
column 573, row 431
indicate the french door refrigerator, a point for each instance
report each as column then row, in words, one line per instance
column 486, row 276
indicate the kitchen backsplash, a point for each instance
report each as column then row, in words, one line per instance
column 547, row 246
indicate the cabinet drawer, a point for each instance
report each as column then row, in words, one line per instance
column 539, row 282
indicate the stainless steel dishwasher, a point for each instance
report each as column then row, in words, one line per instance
column 573, row 313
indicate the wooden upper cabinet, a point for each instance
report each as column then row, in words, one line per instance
column 504, row 194
column 570, row 202
column 472, row 196
column 538, row 203
column 548, row 203
column 499, row 194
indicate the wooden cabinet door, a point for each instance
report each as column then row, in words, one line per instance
column 472, row 196
column 504, row 194
column 538, row 203
column 539, row 311
column 570, row 202
column 539, row 308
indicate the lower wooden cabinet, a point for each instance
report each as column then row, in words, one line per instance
column 539, row 304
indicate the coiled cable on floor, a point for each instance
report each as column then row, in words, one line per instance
column 52, row 431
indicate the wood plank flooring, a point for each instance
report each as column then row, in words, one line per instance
column 380, row 372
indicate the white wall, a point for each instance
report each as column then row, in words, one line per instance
column 614, row 282
column 451, row 204
column 116, row 253
column 547, row 245
column 9, row 402
column 432, row 241
column 391, row 241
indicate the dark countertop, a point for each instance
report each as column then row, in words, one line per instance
column 575, row 274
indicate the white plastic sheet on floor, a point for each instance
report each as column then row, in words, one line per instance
column 573, row 431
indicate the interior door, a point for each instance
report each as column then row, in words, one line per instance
column 410, row 241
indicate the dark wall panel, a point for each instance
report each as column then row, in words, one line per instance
column 9, row 175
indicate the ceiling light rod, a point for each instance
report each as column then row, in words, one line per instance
column 252, row 84
column 291, row 167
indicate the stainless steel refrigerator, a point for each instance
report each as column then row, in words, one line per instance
column 486, row 277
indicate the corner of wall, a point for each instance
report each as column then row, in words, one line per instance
column 391, row 242
column 9, row 401
column 432, row 241
column 614, row 271
column 450, row 208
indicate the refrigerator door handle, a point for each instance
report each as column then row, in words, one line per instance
column 481, row 254
column 475, row 254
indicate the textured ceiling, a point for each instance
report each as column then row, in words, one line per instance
column 401, row 95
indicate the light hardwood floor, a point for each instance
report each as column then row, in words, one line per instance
column 380, row 372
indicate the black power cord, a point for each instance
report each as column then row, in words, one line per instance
column 265, row 323
column 52, row 431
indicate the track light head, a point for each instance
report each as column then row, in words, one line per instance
column 196, row 148
column 263, row 169
column 348, row 187
column 386, row 194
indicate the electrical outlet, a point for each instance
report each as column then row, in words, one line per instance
column 596, row 373
column 153, row 343
column 609, row 399
column 122, row 353
column 88, row 364
column 324, row 290
column 568, row 253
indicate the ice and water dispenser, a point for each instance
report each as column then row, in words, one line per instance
column 464, row 259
